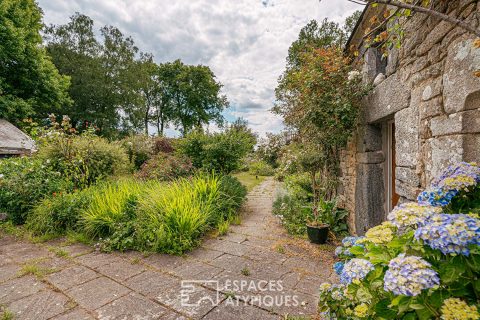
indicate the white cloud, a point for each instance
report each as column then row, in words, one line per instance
column 245, row 42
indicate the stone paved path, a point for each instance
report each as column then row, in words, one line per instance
column 236, row 276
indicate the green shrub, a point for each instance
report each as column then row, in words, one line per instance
column 139, row 149
column 300, row 186
column 164, row 166
column 261, row 168
column 293, row 213
column 59, row 214
column 23, row 183
column 220, row 152
column 423, row 263
column 232, row 196
column 84, row 159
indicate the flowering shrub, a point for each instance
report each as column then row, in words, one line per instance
column 410, row 214
column 450, row 233
column 456, row 309
column 81, row 158
column 424, row 263
column 454, row 181
column 409, row 276
column 355, row 270
column 24, row 182
column 166, row 166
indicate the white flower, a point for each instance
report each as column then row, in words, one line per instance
column 352, row 75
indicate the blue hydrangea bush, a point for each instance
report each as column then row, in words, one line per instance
column 423, row 263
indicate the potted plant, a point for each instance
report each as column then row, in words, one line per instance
column 317, row 229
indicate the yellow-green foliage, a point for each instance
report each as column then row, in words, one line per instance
column 173, row 216
column 111, row 204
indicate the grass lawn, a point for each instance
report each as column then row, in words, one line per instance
column 248, row 180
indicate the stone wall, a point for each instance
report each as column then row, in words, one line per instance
column 433, row 97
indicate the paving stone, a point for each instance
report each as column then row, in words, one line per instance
column 74, row 314
column 192, row 300
column 267, row 270
column 153, row 288
column 265, row 255
column 55, row 263
column 233, row 248
column 120, row 270
column 196, row 270
column 232, row 311
column 19, row 288
column 309, row 285
column 22, row 252
column 97, row 292
column 204, row 254
column 41, row 305
column 291, row 279
column 165, row 261
column 260, row 242
column 304, row 265
column 170, row 315
column 71, row 277
column 287, row 302
column 234, row 237
column 232, row 263
column 77, row 249
column 8, row 271
column 151, row 283
column 131, row 306
column 95, row 260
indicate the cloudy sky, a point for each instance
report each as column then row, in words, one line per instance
column 245, row 42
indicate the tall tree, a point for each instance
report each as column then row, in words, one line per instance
column 196, row 97
column 75, row 51
column 104, row 84
column 30, row 85
column 315, row 35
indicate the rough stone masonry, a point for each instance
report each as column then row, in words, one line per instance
column 427, row 92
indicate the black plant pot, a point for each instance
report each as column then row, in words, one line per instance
column 318, row 234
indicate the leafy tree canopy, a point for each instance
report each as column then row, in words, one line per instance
column 30, row 85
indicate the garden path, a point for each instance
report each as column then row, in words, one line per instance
column 57, row 280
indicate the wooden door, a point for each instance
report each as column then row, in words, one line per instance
column 394, row 196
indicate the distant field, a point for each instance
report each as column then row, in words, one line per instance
column 248, row 180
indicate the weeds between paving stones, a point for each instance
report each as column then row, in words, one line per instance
column 135, row 260
column 6, row 314
column 34, row 269
column 59, row 252
column 245, row 272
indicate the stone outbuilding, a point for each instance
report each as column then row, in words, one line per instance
column 422, row 115
column 13, row 142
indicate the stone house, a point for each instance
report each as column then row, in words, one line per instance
column 13, row 142
column 422, row 115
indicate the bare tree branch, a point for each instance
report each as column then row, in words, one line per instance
column 430, row 12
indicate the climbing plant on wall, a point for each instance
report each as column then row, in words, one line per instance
column 321, row 100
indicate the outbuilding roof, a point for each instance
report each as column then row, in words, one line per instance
column 13, row 141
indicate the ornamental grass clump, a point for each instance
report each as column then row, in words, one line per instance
column 173, row 217
column 423, row 263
